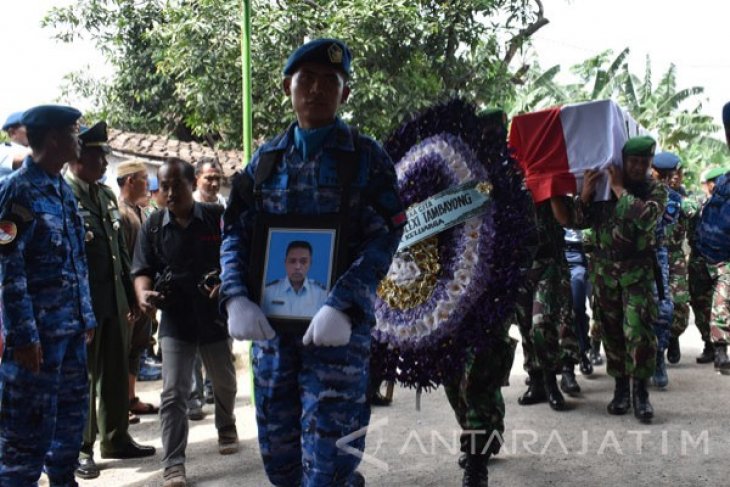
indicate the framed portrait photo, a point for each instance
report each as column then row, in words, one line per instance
column 295, row 261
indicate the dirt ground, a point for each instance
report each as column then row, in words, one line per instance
column 687, row 445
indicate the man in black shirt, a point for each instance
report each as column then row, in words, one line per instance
column 176, row 250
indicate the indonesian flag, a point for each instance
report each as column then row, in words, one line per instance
column 554, row 147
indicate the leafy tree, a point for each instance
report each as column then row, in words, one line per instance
column 178, row 61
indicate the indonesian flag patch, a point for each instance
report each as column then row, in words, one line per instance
column 8, row 232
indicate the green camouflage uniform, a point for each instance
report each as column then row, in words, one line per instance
column 539, row 305
column 700, row 280
column 569, row 346
column 720, row 315
column 678, row 285
column 477, row 396
column 623, row 277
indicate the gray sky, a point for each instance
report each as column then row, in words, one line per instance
column 685, row 32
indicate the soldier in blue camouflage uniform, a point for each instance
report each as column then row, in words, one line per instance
column 698, row 271
column 310, row 386
column 47, row 308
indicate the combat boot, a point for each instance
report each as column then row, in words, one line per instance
column 674, row 354
column 708, row 353
column 621, row 401
column 586, row 366
column 475, row 471
column 535, row 391
column 660, row 378
column 722, row 362
column 643, row 409
column 554, row 397
column 595, row 353
column 568, row 384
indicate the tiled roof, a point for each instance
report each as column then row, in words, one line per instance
column 159, row 147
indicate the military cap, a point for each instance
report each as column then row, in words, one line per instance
column 329, row 52
column 95, row 136
column 666, row 161
column 712, row 173
column 726, row 114
column 153, row 184
column 131, row 166
column 642, row 145
column 494, row 116
column 50, row 116
column 13, row 120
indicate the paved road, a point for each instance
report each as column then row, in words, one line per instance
column 687, row 445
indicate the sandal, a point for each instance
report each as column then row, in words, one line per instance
column 138, row 407
column 133, row 418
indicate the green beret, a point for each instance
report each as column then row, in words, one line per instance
column 642, row 145
column 713, row 173
column 494, row 117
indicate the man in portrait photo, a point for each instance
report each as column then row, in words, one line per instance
column 295, row 295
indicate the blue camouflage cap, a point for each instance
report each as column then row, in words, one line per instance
column 726, row 114
column 329, row 52
column 50, row 116
column 13, row 120
column 666, row 161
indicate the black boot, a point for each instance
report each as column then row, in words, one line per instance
column 475, row 471
column 674, row 354
column 708, row 353
column 643, row 409
column 535, row 391
column 621, row 401
column 722, row 362
column 554, row 397
column 586, row 366
column 568, row 384
column 595, row 353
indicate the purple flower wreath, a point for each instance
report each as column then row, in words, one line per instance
column 480, row 262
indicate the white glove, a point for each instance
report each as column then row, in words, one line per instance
column 246, row 321
column 330, row 327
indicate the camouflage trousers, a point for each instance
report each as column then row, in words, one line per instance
column 540, row 316
column 43, row 415
column 679, row 287
column 476, row 397
column 626, row 315
column 569, row 342
column 700, row 293
column 307, row 398
column 720, row 315
column 663, row 323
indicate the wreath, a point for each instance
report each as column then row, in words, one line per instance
column 454, row 290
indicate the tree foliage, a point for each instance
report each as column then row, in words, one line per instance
column 178, row 67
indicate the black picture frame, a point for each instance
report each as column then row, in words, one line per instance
column 271, row 237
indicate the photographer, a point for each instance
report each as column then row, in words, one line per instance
column 176, row 262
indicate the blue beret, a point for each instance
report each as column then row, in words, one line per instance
column 13, row 119
column 666, row 161
column 50, row 116
column 726, row 114
column 152, row 184
column 329, row 52
column 94, row 136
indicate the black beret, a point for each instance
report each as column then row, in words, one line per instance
column 329, row 52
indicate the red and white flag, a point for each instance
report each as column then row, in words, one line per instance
column 554, row 147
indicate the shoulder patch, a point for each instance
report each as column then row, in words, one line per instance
column 8, row 232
